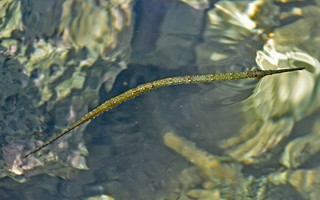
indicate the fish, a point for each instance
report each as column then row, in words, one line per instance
column 147, row 87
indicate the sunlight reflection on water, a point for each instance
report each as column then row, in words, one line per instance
column 263, row 134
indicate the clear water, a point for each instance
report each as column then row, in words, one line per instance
column 128, row 158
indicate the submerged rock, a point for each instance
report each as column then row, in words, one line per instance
column 54, row 63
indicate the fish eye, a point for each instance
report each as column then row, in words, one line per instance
column 256, row 74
